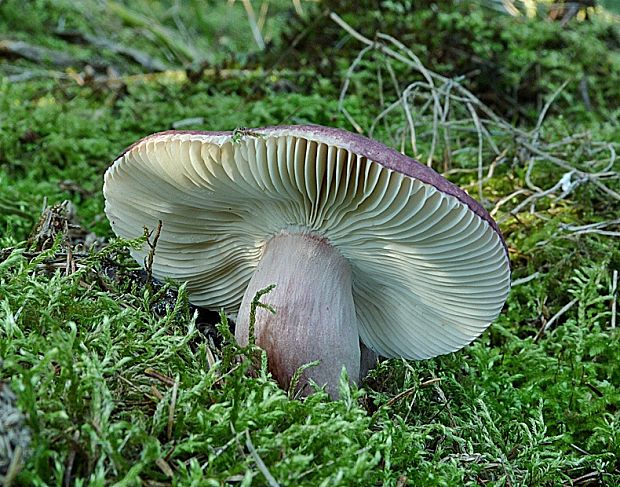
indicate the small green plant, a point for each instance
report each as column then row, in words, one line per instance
column 120, row 382
column 240, row 133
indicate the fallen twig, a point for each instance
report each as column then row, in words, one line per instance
column 411, row 390
column 446, row 109
column 37, row 54
column 259, row 462
column 173, row 403
column 159, row 376
column 592, row 228
column 258, row 36
column 148, row 264
column 164, row 466
column 554, row 318
column 148, row 62
column 46, row 56
column 67, row 477
column 187, row 122
column 523, row 280
column 545, row 109
column 614, row 298
column 589, row 478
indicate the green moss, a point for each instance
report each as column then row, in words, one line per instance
column 79, row 350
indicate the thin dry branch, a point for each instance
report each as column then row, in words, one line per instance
column 40, row 55
column 256, row 32
column 554, row 318
column 143, row 59
column 450, row 114
column 614, row 297
column 593, row 228
column 148, row 262
column 545, row 109
column 259, row 462
column 523, row 280
column 171, row 410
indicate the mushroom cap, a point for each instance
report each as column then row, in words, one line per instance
column 430, row 267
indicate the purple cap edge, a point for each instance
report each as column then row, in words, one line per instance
column 368, row 148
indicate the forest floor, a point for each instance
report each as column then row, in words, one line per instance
column 122, row 381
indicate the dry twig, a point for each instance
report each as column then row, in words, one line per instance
column 173, row 403
column 148, row 264
column 614, row 299
column 523, row 280
column 131, row 53
column 259, row 462
column 442, row 111
column 412, row 390
column 554, row 318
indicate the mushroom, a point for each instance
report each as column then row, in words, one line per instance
column 361, row 242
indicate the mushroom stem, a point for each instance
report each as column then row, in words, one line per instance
column 315, row 316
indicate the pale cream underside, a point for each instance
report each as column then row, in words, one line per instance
column 429, row 275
